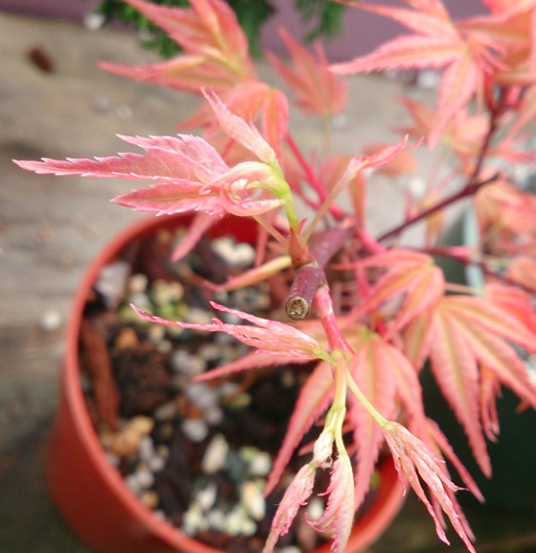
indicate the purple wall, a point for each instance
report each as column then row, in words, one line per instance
column 63, row 9
column 362, row 31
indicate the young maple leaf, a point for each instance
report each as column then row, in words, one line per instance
column 468, row 332
column 407, row 273
column 270, row 337
column 315, row 396
column 413, row 462
column 252, row 100
column 190, row 175
column 436, row 43
column 502, row 207
column 509, row 30
column 238, row 129
column 295, row 496
column 317, row 90
column 371, row 371
column 215, row 47
column 462, row 133
column 338, row 516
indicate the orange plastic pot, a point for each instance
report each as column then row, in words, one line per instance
column 89, row 491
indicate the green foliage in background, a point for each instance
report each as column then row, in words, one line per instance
column 324, row 17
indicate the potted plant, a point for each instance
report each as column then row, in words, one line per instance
column 371, row 309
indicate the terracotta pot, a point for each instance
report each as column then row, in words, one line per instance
column 89, row 491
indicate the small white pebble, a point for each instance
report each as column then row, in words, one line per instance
column 146, row 448
column 252, row 499
column 164, row 346
column 215, row 455
column 132, row 483
column 94, row 21
column 202, row 395
column 145, row 478
column 261, row 464
column 185, row 363
column 193, row 521
column 137, row 284
column 156, row 333
column 315, row 509
column 209, row 351
column 206, row 497
column 233, row 522
column 51, row 320
column 164, row 292
column 248, row 527
column 195, row 429
column 111, row 281
column 290, row 549
column 215, row 519
column 141, row 301
column 428, row 79
column 244, row 255
column 195, row 315
column 156, row 464
column 214, row 415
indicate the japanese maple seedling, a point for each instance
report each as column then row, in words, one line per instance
column 396, row 311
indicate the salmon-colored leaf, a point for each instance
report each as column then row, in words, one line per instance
column 238, row 129
column 317, row 89
column 254, row 360
column 371, row 371
column 167, row 159
column 267, row 336
column 455, row 369
column 409, row 275
column 196, row 229
column 315, row 396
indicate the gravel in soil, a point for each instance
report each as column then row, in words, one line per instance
column 197, row 453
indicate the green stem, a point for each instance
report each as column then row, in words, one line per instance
column 371, row 410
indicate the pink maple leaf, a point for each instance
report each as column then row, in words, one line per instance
column 238, row 129
column 338, row 516
column 215, row 47
column 252, row 100
column 317, row 89
column 267, row 336
column 413, row 462
column 189, row 174
column 312, row 402
column 411, row 275
column 295, row 496
column 468, row 333
column 436, row 43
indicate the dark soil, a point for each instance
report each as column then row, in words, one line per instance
column 128, row 371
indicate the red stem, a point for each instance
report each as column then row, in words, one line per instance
column 308, row 278
column 465, row 261
column 312, row 178
column 470, row 189
column 472, row 185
